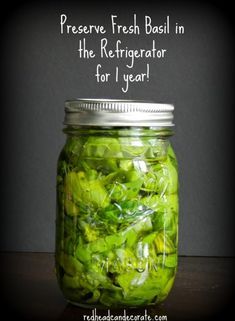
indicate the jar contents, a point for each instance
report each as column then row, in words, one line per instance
column 117, row 219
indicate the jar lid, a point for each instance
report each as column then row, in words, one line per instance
column 117, row 113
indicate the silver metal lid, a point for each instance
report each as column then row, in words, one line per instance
column 112, row 112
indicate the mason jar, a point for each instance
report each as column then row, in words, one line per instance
column 117, row 204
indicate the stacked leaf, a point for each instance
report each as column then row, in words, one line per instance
column 117, row 220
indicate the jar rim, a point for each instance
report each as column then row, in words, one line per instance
column 118, row 112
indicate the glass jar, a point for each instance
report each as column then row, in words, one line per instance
column 117, row 204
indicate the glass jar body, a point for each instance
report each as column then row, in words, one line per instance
column 117, row 217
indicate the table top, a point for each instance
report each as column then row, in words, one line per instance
column 203, row 290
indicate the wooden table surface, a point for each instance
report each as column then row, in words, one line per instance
column 203, row 290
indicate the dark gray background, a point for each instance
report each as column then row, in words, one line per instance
column 41, row 69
